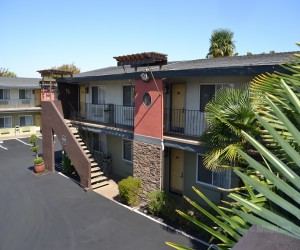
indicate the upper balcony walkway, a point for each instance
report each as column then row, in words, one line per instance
column 177, row 122
column 19, row 104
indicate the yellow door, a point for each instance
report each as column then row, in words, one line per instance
column 178, row 105
column 37, row 96
column 176, row 171
column 82, row 100
column 38, row 122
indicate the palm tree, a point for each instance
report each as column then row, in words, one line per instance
column 221, row 43
column 227, row 115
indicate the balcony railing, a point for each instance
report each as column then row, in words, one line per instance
column 110, row 114
column 177, row 121
column 184, row 121
column 16, row 103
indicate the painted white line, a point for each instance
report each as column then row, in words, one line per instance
column 3, row 147
column 40, row 137
column 60, row 173
column 28, row 144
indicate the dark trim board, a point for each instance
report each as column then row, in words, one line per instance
column 230, row 71
column 184, row 146
column 127, row 135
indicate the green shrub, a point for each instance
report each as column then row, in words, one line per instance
column 32, row 139
column 160, row 203
column 67, row 165
column 164, row 205
column 38, row 160
column 130, row 190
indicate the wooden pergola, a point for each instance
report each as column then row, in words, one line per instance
column 142, row 59
column 52, row 74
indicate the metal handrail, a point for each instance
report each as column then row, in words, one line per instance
column 84, row 132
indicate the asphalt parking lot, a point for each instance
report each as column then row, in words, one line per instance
column 52, row 212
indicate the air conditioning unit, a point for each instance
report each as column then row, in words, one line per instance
column 97, row 110
column 128, row 113
column 25, row 102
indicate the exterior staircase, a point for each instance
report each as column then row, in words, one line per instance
column 98, row 179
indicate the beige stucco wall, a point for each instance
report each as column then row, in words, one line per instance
column 120, row 167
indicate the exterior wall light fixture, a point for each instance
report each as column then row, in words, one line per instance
column 145, row 77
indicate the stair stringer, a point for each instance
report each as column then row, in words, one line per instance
column 53, row 120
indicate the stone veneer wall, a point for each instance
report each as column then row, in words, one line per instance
column 147, row 165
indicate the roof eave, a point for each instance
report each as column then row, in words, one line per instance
column 184, row 73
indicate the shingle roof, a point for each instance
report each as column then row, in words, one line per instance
column 201, row 65
column 17, row 82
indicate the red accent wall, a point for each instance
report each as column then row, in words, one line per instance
column 45, row 95
column 148, row 121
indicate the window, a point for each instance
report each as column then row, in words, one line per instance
column 98, row 95
column 26, row 120
column 127, row 150
column 5, row 122
column 128, row 95
column 218, row 179
column 24, row 93
column 4, row 94
column 147, row 99
column 207, row 93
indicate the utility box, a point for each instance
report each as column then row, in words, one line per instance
column 17, row 129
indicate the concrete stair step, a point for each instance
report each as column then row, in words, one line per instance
column 94, row 169
column 100, row 184
column 99, row 179
column 94, row 164
column 96, row 174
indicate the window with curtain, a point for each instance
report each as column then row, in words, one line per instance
column 127, row 150
column 98, row 95
column 5, row 122
column 219, row 179
column 24, row 93
column 26, row 120
column 4, row 94
column 128, row 95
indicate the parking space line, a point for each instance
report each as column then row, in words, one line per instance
column 28, row 144
column 3, row 147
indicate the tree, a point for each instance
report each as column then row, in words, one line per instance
column 68, row 67
column 227, row 115
column 5, row 73
column 221, row 43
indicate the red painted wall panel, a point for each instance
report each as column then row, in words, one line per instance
column 45, row 95
column 148, row 121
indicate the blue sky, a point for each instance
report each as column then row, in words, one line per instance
column 41, row 34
